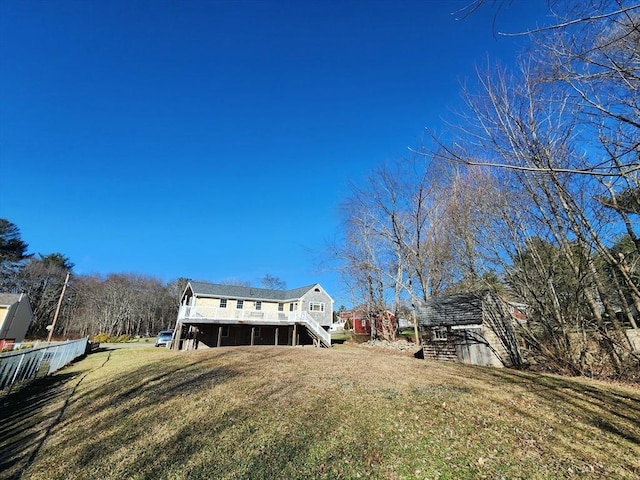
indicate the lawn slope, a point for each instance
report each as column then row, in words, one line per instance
column 296, row 413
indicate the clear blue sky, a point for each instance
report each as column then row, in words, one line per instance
column 216, row 139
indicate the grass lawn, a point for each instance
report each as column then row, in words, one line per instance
column 295, row 413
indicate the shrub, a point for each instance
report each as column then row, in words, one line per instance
column 104, row 338
column 101, row 338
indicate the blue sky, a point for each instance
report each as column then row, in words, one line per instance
column 215, row 139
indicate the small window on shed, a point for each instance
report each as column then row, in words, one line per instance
column 439, row 333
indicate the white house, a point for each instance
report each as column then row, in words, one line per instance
column 214, row 315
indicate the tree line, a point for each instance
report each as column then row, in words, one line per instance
column 533, row 191
column 114, row 304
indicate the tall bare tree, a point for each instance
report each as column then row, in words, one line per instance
column 562, row 134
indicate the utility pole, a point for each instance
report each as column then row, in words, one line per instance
column 55, row 316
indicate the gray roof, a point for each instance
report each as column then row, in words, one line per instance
column 9, row 298
column 204, row 289
column 460, row 309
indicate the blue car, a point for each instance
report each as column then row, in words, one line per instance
column 164, row 337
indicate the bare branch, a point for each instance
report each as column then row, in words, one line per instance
column 571, row 22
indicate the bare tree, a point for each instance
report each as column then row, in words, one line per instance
column 122, row 304
column 562, row 135
column 414, row 230
column 43, row 279
column 273, row 282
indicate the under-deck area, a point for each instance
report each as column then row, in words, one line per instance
column 203, row 335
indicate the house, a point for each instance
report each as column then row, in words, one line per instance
column 337, row 327
column 360, row 321
column 473, row 328
column 356, row 320
column 15, row 318
column 214, row 315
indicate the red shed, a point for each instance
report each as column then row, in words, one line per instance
column 361, row 321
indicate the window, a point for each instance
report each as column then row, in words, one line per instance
column 258, row 305
column 439, row 333
column 291, row 307
column 239, row 304
column 316, row 306
column 223, row 303
column 281, row 307
column 363, row 322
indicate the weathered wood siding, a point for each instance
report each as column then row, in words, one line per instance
column 440, row 351
column 634, row 338
column 479, row 329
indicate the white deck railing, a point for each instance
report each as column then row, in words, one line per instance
column 253, row 317
column 320, row 333
column 216, row 314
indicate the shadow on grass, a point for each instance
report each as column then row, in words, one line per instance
column 108, row 418
column 240, row 443
column 171, row 418
column 611, row 410
column 26, row 415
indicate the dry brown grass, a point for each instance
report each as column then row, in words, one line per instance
column 348, row 412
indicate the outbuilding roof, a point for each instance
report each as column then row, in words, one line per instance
column 459, row 309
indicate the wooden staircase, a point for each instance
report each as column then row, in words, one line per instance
column 321, row 337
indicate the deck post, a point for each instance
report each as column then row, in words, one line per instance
column 295, row 334
column 253, row 331
column 277, row 331
column 219, row 336
column 176, row 340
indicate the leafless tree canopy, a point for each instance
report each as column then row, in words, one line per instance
column 534, row 191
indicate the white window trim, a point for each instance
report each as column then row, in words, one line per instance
column 439, row 334
column 316, row 304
